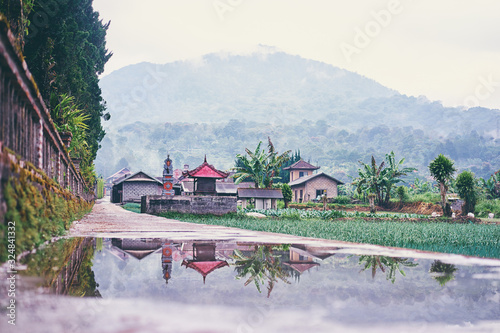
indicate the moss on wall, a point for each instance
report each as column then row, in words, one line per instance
column 39, row 207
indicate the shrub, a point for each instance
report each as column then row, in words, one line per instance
column 466, row 187
column 342, row 200
column 484, row 207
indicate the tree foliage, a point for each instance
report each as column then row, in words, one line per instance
column 379, row 179
column 64, row 45
column 263, row 168
column 442, row 169
column 466, row 187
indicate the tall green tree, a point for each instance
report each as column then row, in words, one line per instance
column 263, row 168
column 442, row 170
column 379, row 179
column 466, row 187
column 64, row 45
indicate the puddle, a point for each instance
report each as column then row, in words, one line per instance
column 319, row 284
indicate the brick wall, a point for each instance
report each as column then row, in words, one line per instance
column 154, row 204
column 133, row 191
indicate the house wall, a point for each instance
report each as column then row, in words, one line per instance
column 154, row 204
column 320, row 183
column 133, row 191
column 309, row 189
column 296, row 195
column 295, row 174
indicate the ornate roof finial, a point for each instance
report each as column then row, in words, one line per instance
column 205, row 158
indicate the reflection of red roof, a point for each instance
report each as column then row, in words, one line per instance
column 205, row 170
column 301, row 267
column 204, row 267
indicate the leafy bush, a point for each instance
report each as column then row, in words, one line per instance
column 342, row 200
column 466, row 187
column 484, row 207
column 424, row 197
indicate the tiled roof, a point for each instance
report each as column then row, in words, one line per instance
column 302, row 165
column 305, row 179
column 205, row 170
column 131, row 178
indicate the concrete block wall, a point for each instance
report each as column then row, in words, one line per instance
column 154, row 204
column 320, row 183
column 133, row 191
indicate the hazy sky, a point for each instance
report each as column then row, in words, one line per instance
column 447, row 50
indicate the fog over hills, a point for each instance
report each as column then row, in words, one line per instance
column 303, row 104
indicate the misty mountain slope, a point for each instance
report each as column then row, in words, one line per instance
column 248, row 87
column 222, row 104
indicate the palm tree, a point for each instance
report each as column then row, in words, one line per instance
column 388, row 265
column 392, row 174
column 262, row 266
column 274, row 164
column 442, row 170
column 263, row 168
column 251, row 166
column 370, row 178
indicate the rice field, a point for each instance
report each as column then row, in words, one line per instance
column 468, row 239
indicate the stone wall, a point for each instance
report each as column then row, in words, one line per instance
column 133, row 191
column 155, row 204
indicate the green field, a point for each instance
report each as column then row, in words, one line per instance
column 468, row 239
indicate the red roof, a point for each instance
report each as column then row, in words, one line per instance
column 204, row 267
column 205, row 171
column 301, row 165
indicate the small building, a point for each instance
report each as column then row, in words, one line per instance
column 204, row 178
column 300, row 169
column 310, row 187
column 222, row 188
column 264, row 198
column 133, row 187
column 124, row 172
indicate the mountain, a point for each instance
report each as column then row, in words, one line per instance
column 221, row 104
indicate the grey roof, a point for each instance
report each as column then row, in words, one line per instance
column 260, row 193
column 131, row 178
column 305, row 179
column 220, row 187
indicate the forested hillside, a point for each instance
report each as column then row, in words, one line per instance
column 220, row 105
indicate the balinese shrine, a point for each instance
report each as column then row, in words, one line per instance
column 204, row 178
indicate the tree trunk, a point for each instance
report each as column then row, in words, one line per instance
column 444, row 205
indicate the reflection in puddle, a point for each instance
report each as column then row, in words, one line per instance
column 362, row 288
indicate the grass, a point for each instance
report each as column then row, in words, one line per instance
column 467, row 239
column 133, row 207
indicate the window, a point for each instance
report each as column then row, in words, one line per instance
column 320, row 193
column 300, row 199
column 301, row 174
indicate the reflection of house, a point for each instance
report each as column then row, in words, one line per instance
column 264, row 198
column 137, row 248
column 133, row 187
column 204, row 261
column 310, row 187
column 204, row 178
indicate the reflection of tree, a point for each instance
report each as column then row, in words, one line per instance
column 66, row 267
column 387, row 265
column 262, row 266
column 445, row 272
